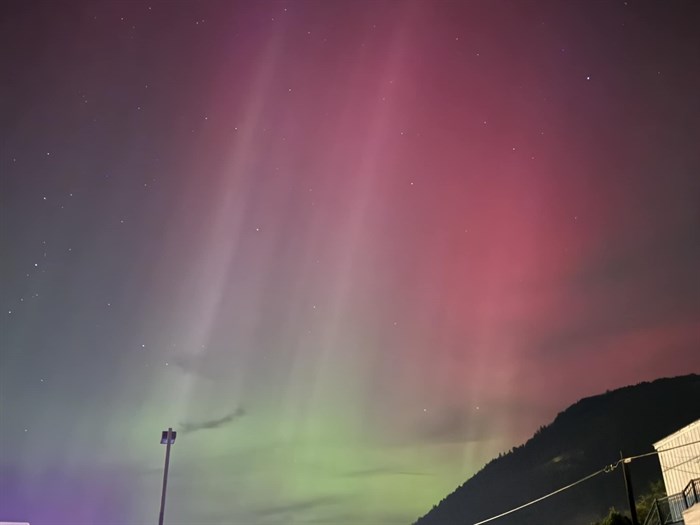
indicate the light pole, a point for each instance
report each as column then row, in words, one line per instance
column 167, row 439
column 628, row 488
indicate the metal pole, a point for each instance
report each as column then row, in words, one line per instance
column 165, row 478
column 628, row 488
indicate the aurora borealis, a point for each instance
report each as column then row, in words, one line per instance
column 350, row 250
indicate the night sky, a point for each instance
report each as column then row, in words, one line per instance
column 350, row 250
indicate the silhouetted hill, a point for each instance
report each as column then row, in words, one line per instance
column 585, row 437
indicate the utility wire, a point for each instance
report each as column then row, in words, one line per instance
column 606, row 469
column 662, row 450
column 688, row 460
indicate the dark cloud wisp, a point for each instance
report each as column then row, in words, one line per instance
column 189, row 427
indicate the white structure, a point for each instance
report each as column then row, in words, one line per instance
column 692, row 515
column 680, row 464
column 679, row 456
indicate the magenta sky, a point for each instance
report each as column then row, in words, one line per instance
column 351, row 250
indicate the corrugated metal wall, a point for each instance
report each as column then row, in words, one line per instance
column 680, row 465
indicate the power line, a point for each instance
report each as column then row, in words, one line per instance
column 655, row 452
column 606, row 469
column 688, row 460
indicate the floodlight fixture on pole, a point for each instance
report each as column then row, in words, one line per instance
column 167, row 439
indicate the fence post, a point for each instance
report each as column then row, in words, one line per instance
column 657, row 509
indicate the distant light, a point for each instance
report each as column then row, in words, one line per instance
column 164, row 439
